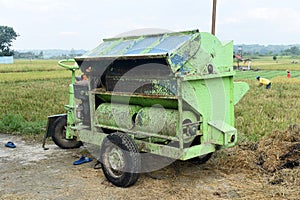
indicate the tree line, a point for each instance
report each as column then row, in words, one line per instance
column 270, row 50
column 48, row 54
column 7, row 36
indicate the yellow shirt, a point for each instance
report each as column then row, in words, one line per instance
column 264, row 81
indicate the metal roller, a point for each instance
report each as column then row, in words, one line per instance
column 116, row 115
column 160, row 120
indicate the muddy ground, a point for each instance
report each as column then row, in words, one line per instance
column 29, row 172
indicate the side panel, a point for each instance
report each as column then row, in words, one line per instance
column 213, row 99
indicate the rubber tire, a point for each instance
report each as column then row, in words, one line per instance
column 201, row 159
column 122, row 143
column 59, row 135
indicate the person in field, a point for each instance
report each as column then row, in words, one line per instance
column 288, row 74
column 83, row 80
column 264, row 81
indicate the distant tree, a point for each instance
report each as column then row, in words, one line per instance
column 291, row 51
column 72, row 53
column 7, row 35
column 295, row 50
column 41, row 55
column 275, row 58
column 24, row 55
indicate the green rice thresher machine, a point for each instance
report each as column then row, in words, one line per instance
column 170, row 95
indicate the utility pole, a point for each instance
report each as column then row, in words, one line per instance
column 213, row 27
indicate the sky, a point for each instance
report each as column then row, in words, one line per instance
column 82, row 24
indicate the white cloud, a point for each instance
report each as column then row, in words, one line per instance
column 33, row 5
column 272, row 14
column 230, row 20
column 82, row 24
column 68, row 33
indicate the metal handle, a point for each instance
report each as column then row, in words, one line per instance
column 62, row 64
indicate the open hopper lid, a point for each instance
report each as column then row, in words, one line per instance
column 176, row 48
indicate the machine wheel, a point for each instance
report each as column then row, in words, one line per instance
column 59, row 135
column 120, row 159
column 201, row 159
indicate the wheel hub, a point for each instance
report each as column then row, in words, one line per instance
column 116, row 160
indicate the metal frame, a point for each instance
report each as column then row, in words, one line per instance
column 214, row 133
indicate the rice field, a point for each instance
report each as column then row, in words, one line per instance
column 262, row 111
column 30, row 65
column 33, row 90
column 269, row 74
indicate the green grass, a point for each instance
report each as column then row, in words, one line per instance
column 262, row 111
column 30, row 65
column 17, row 124
column 269, row 74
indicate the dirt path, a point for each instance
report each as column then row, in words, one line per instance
column 29, row 172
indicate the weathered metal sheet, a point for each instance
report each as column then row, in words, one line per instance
column 145, row 46
column 170, row 43
column 189, row 52
column 141, row 45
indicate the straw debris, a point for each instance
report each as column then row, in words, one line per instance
column 280, row 150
